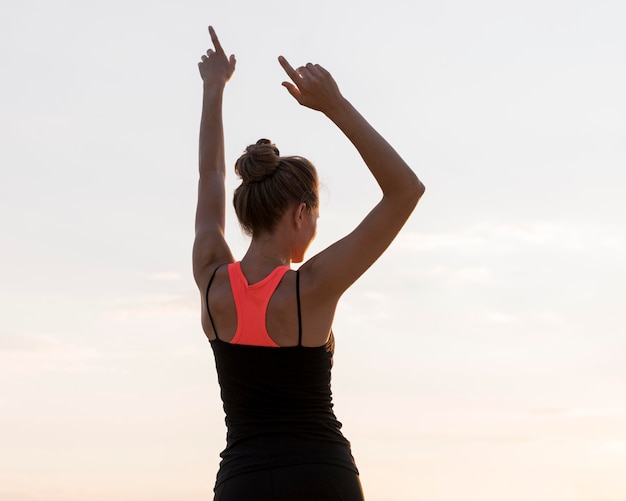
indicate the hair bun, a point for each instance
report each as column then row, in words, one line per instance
column 259, row 161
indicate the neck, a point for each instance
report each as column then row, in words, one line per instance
column 268, row 252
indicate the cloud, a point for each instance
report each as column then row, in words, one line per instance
column 164, row 276
column 453, row 275
column 571, row 413
column 30, row 343
column 8, row 495
column 498, row 317
column 152, row 306
column 44, row 352
column 596, row 412
column 28, row 353
column 613, row 447
column 489, row 237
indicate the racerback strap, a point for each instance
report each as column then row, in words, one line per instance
column 206, row 299
column 299, row 309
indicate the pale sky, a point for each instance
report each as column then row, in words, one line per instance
column 481, row 359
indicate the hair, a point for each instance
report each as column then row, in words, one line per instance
column 269, row 185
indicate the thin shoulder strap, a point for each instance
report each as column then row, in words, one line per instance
column 299, row 308
column 206, row 299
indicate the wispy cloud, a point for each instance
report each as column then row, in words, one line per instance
column 30, row 343
column 499, row 317
column 452, row 274
column 44, row 352
column 153, row 306
column 164, row 276
column 596, row 412
column 617, row 447
column 49, row 352
column 489, row 237
column 573, row 413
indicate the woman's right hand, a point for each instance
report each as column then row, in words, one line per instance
column 313, row 86
column 215, row 67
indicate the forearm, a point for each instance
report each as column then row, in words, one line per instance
column 391, row 172
column 211, row 144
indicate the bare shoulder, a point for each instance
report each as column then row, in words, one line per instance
column 314, row 283
column 210, row 250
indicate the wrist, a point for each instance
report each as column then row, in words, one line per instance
column 212, row 86
column 339, row 110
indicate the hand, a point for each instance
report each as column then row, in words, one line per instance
column 313, row 86
column 215, row 67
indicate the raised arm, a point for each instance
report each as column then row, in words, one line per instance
column 210, row 248
column 337, row 267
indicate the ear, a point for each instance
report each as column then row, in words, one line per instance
column 299, row 214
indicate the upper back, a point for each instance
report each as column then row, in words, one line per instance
column 261, row 313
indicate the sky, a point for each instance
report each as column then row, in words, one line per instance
column 481, row 358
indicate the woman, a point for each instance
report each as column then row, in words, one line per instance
column 271, row 327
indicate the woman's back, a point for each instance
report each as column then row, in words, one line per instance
column 277, row 399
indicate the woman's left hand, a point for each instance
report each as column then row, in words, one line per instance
column 215, row 67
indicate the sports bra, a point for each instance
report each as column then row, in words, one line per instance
column 251, row 302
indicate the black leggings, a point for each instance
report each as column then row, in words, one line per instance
column 307, row 482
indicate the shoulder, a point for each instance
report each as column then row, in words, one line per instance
column 203, row 276
column 316, row 282
column 210, row 251
column 315, row 289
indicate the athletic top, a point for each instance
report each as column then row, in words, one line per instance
column 251, row 302
column 277, row 400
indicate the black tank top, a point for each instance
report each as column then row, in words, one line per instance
column 278, row 405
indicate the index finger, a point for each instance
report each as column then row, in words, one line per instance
column 288, row 68
column 215, row 40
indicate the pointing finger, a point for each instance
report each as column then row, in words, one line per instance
column 288, row 68
column 215, row 40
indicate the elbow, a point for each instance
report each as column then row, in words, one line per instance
column 406, row 193
column 409, row 194
column 420, row 189
column 415, row 189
